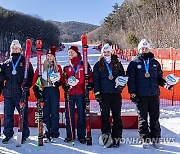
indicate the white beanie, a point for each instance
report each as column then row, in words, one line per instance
column 106, row 47
column 144, row 43
column 15, row 43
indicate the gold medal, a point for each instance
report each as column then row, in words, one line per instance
column 110, row 77
column 147, row 75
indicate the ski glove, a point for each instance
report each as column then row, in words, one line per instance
column 98, row 97
column 37, row 92
column 120, row 88
column 66, row 87
column 167, row 86
column 57, row 83
column 134, row 98
column 90, row 86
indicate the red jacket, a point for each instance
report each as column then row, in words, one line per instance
column 68, row 72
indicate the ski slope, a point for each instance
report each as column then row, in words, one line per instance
column 170, row 125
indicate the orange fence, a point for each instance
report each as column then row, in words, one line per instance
column 170, row 62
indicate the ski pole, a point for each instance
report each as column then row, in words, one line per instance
column 70, row 119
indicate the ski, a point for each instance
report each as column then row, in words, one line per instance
column 40, row 102
column 24, row 91
column 87, row 101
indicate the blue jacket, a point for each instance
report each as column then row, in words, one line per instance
column 138, row 83
column 12, row 87
column 101, row 81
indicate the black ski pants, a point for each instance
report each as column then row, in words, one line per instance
column 149, row 105
column 113, row 102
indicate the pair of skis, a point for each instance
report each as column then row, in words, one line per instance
column 40, row 102
column 86, row 77
column 23, row 100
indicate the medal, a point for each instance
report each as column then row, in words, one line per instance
column 146, row 65
column 109, row 70
column 110, row 77
column 14, row 72
column 147, row 75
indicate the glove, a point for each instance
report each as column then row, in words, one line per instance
column 57, row 83
column 25, row 89
column 120, row 88
column 167, row 86
column 134, row 98
column 37, row 92
column 98, row 98
column 90, row 86
column 66, row 87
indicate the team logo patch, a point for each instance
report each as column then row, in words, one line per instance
column 139, row 66
column 21, row 64
column 145, row 43
column 154, row 65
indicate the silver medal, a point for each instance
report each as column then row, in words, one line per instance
column 110, row 77
column 14, row 72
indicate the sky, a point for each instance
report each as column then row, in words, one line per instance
column 87, row 11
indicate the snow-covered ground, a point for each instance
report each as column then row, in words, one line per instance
column 170, row 125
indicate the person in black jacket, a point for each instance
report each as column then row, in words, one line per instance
column 145, row 77
column 105, row 71
column 12, row 72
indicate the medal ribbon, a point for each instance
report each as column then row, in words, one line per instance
column 107, row 65
column 14, row 66
column 78, row 66
column 146, row 65
column 49, row 72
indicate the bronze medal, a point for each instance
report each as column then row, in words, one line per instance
column 110, row 77
column 147, row 75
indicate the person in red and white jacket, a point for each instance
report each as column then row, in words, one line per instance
column 74, row 87
column 51, row 80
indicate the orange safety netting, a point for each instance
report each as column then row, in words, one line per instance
column 170, row 62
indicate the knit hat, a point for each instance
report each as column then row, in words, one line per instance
column 144, row 43
column 52, row 50
column 74, row 48
column 15, row 43
column 105, row 48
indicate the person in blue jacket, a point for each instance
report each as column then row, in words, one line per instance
column 11, row 79
column 145, row 77
column 105, row 71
